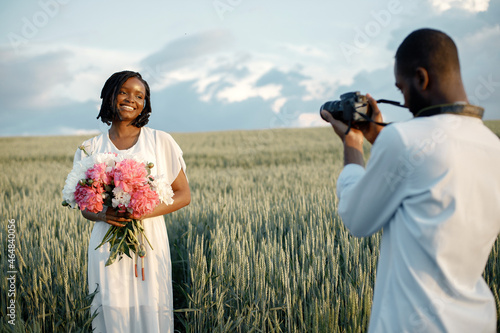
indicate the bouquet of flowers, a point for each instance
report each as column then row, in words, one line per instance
column 125, row 183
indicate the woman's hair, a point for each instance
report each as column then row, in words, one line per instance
column 110, row 91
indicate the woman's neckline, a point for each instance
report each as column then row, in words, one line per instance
column 129, row 148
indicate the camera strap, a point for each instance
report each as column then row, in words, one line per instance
column 365, row 117
column 457, row 108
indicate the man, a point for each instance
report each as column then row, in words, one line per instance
column 433, row 185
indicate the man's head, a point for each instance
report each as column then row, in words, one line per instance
column 427, row 70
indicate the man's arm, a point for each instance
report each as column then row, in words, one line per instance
column 353, row 141
column 368, row 198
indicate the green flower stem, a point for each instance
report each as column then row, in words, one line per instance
column 123, row 240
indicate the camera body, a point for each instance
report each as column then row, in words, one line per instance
column 349, row 109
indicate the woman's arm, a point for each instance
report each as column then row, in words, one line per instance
column 182, row 198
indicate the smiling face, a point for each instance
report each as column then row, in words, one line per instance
column 130, row 99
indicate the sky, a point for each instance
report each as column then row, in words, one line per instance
column 225, row 64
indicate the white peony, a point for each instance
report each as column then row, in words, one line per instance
column 107, row 158
column 161, row 186
column 129, row 156
column 68, row 191
column 120, row 197
column 76, row 174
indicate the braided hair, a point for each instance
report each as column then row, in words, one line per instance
column 109, row 111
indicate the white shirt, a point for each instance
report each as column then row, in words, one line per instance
column 433, row 185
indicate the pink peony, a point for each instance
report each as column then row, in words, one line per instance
column 130, row 174
column 98, row 173
column 143, row 201
column 121, row 208
column 89, row 197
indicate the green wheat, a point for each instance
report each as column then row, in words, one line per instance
column 259, row 249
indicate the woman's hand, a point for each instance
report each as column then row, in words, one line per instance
column 115, row 218
column 108, row 215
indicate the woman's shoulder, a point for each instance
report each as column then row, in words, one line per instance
column 93, row 142
column 163, row 141
column 159, row 135
column 95, row 138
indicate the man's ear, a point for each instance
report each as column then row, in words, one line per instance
column 421, row 78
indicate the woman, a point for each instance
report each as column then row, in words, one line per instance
column 124, row 302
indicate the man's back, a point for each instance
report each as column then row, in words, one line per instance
column 436, row 197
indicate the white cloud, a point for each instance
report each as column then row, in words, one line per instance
column 225, row 77
column 306, row 50
column 473, row 6
column 483, row 37
column 278, row 104
column 76, row 131
column 31, row 78
column 319, row 89
column 90, row 68
column 244, row 90
column 284, row 57
column 310, row 120
column 56, row 76
column 187, row 49
column 479, row 56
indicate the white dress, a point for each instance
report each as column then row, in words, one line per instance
column 124, row 302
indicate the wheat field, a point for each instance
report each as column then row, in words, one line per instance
column 259, row 249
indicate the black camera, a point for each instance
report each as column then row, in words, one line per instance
column 353, row 109
column 350, row 109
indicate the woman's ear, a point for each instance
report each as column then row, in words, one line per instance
column 421, row 78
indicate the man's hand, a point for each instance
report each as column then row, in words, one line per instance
column 369, row 130
column 372, row 130
column 353, row 138
column 353, row 141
